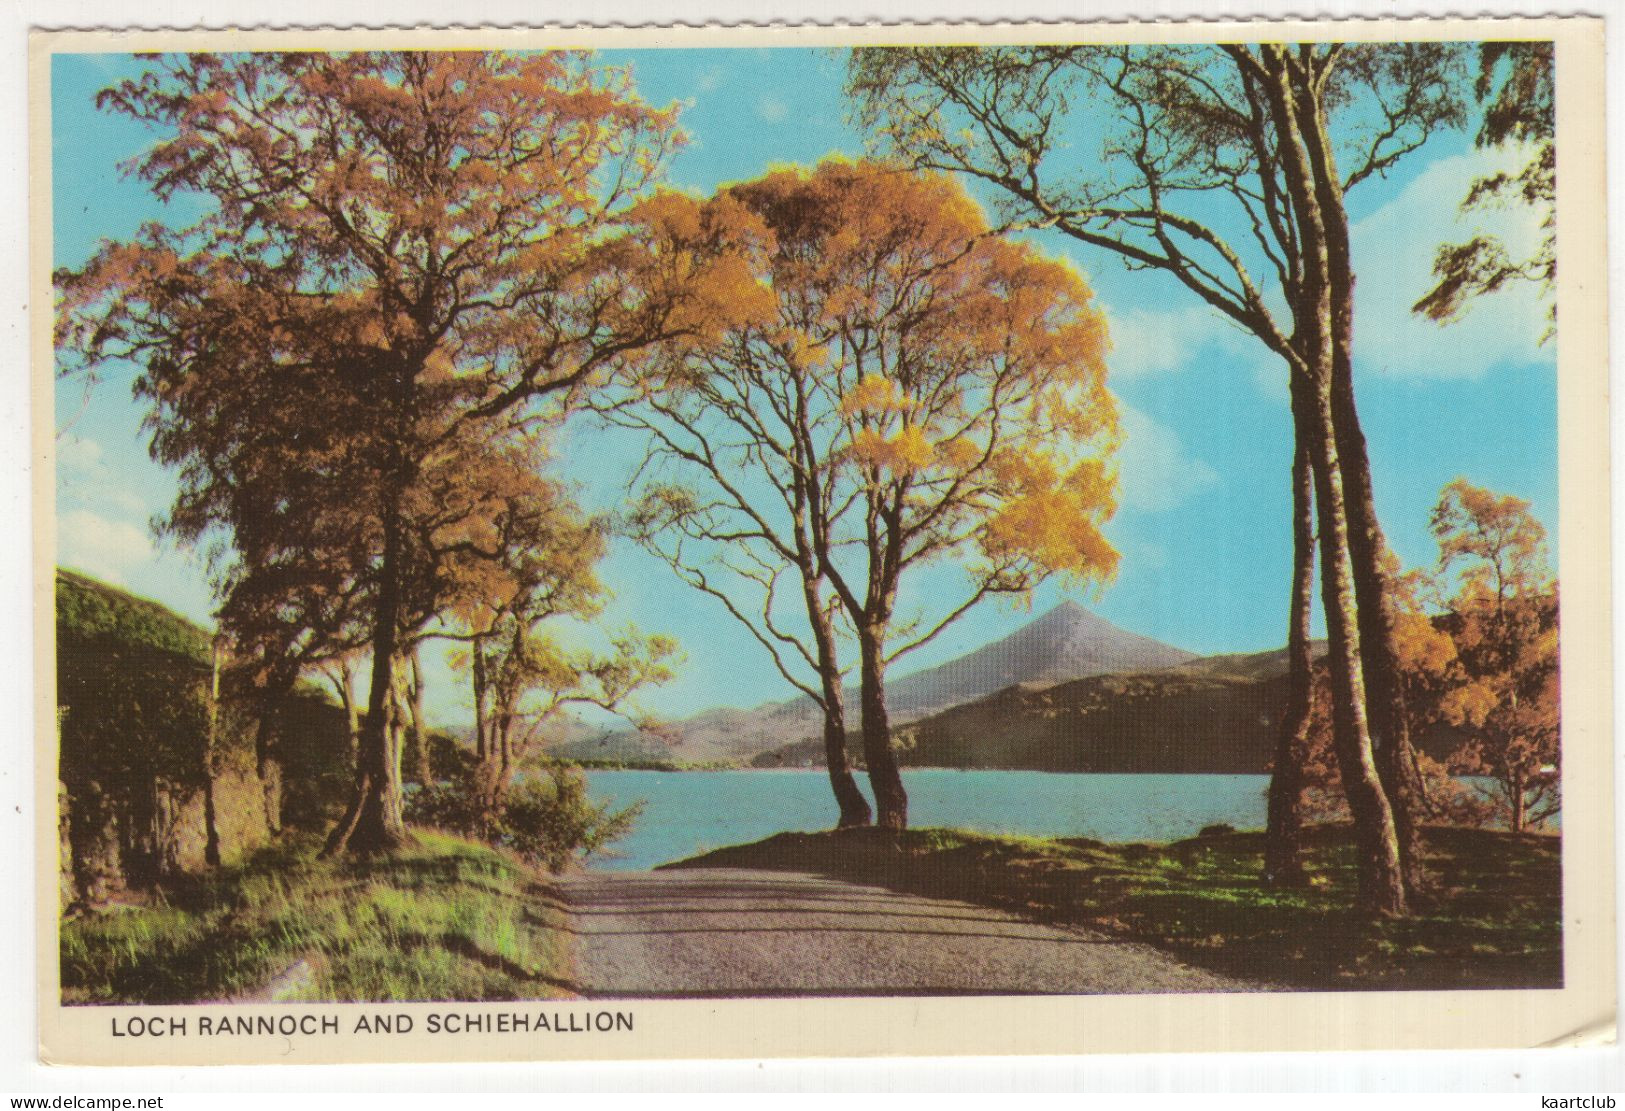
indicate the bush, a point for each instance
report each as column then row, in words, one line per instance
column 545, row 816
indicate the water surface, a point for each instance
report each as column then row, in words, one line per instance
column 686, row 813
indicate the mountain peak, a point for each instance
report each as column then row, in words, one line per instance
column 1067, row 642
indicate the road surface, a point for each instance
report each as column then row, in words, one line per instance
column 735, row 932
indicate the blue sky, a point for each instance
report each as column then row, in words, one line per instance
column 1204, row 523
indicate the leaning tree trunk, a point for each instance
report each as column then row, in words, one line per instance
column 891, row 800
column 1283, row 844
column 1382, row 879
column 1379, row 635
column 373, row 822
column 853, row 807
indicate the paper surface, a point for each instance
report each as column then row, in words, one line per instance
column 917, row 1022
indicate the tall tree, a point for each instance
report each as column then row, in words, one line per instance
column 732, row 486
column 403, row 250
column 1278, row 134
column 1289, row 783
column 1503, row 621
column 1480, row 653
column 920, row 390
column 510, row 603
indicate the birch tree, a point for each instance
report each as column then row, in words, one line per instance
column 1178, row 144
column 919, row 392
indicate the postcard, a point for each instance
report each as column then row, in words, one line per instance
column 931, row 540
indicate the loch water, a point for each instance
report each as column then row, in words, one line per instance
column 687, row 813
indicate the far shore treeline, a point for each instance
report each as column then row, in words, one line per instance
column 416, row 271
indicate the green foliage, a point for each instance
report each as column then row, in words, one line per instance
column 444, row 920
column 133, row 699
column 544, row 816
column 87, row 609
column 131, row 687
column 551, row 821
column 313, row 747
column 611, row 765
column 1517, row 88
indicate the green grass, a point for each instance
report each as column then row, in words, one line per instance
column 1491, row 918
column 446, row 919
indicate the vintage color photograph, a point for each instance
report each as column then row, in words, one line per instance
column 1050, row 520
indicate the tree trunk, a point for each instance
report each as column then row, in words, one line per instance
column 267, row 764
column 1382, row 880
column 211, row 745
column 276, row 683
column 420, row 735
column 891, row 800
column 487, row 765
column 854, row 808
column 482, row 743
column 504, row 746
column 373, row 822
column 1300, row 123
column 345, row 684
column 1283, row 845
column 1379, row 638
column 1516, row 797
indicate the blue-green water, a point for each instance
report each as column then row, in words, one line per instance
column 690, row 812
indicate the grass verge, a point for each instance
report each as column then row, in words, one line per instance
column 445, row 919
column 1492, row 917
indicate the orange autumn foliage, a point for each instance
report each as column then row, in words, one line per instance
column 409, row 263
column 901, row 364
column 904, row 388
column 1478, row 639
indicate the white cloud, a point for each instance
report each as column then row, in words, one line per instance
column 1162, row 341
column 96, row 545
column 76, row 455
column 1394, row 249
column 1155, row 473
column 84, row 475
column 772, row 109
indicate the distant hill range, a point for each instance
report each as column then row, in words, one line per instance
column 1067, row 643
column 1207, row 715
column 1216, row 714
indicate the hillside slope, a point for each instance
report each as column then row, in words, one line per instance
column 1209, row 715
column 1170, row 721
column 1215, row 715
column 1066, row 643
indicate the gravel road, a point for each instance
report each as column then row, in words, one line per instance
column 734, row 932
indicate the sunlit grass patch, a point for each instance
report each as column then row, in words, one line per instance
column 445, row 919
column 1492, row 917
